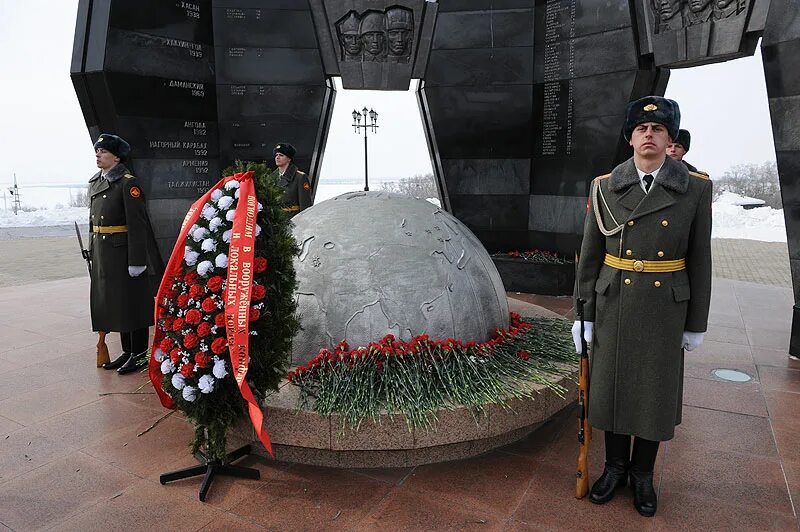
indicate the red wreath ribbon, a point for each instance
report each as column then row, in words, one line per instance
column 237, row 293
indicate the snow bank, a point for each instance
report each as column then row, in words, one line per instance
column 731, row 198
column 44, row 217
column 734, row 221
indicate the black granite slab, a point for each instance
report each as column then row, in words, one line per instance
column 273, row 66
column 166, row 97
column 175, row 178
column 180, row 19
column 496, row 29
column 781, row 70
column 496, row 66
column 151, row 55
column 264, row 27
column 500, row 212
column 156, row 138
column 488, row 176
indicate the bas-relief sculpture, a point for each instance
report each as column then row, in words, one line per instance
column 514, row 95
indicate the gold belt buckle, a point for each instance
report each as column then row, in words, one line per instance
column 638, row 266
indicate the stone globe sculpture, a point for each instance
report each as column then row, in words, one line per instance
column 374, row 263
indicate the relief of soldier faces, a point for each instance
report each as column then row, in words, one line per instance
column 376, row 36
column 673, row 15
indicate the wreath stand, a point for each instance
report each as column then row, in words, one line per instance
column 211, row 468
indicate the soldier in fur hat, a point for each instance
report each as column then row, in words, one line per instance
column 645, row 273
column 296, row 183
column 123, row 253
column 678, row 148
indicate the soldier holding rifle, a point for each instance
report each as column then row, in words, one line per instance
column 123, row 255
column 645, row 273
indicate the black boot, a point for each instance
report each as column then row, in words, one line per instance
column 615, row 474
column 118, row 362
column 642, row 463
column 130, row 365
column 644, row 495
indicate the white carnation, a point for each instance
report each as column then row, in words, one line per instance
column 258, row 230
column 226, row 236
column 221, row 261
column 260, row 207
column 178, row 382
column 217, row 194
column 160, row 355
column 215, row 223
column 209, row 212
column 206, row 384
column 232, row 184
column 204, row 268
column 236, row 194
column 189, row 393
column 219, row 370
column 208, row 245
column 225, row 202
column 199, row 234
column 190, row 257
column 230, row 215
column 167, row 367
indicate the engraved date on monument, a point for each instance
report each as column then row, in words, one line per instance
column 192, row 10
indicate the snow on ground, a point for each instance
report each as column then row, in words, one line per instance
column 730, row 219
column 731, row 198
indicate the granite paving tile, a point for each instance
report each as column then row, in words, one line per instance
column 768, row 339
column 774, row 357
column 45, row 402
column 703, row 428
column 783, row 379
column 739, row 397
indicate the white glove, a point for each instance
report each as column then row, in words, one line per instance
column 692, row 340
column 588, row 328
column 136, row 271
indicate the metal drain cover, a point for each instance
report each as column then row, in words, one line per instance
column 731, row 375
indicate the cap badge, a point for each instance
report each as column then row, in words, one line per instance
column 650, row 107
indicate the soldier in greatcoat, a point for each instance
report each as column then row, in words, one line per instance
column 123, row 253
column 298, row 188
column 679, row 147
column 645, row 273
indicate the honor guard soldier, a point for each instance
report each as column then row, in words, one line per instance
column 678, row 148
column 645, row 273
column 123, row 254
column 298, row 189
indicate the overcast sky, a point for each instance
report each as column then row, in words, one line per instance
column 43, row 137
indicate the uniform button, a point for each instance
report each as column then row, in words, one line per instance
column 657, row 284
column 627, row 281
column 104, row 237
column 664, row 223
column 104, row 195
column 660, row 253
column 628, row 252
column 101, row 217
column 630, row 223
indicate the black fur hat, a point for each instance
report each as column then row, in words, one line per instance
column 653, row 109
column 684, row 138
column 286, row 149
column 116, row 145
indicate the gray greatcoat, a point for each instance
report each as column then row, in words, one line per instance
column 636, row 359
column 120, row 303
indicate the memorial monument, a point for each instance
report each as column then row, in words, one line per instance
column 521, row 99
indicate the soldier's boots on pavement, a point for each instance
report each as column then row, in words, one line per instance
column 644, row 495
column 615, row 475
column 118, row 362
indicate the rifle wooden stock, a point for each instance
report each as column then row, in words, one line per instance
column 584, row 430
column 102, row 350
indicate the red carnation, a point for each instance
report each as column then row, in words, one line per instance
column 193, row 317
column 219, row 319
column 186, row 369
column 177, row 325
column 191, row 277
column 183, row 300
column 219, row 346
column 166, row 323
column 175, row 355
column 524, row 355
column 254, row 314
column 208, row 305
column 203, row 330
column 215, row 283
column 259, row 292
column 195, row 291
column 202, row 359
column 166, row 344
column 260, row 264
column 162, row 312
column 191, row 340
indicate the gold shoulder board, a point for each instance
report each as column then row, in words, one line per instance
column 129, row 176
column 700, row 175
column 604, row 176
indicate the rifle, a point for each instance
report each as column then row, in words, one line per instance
column 84, row 252
column 584, row 429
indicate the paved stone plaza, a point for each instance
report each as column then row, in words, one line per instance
column 70, row 457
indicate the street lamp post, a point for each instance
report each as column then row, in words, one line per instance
column 372, row 117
